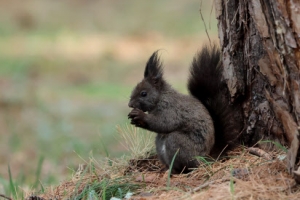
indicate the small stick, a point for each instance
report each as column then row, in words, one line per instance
column 5, row 197
column 204, row 23
column 209, row 183
column 221, row 152
column 260, row 153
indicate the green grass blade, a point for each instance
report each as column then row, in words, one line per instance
column 38, row 172
column 80, row 181
column 120, row 192
column 11, row 184
column 171, row 167
column 205, row 161
column 277, row 144
column 104, row 194
column 104, row 148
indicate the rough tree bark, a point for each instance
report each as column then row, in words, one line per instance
column 260, row 42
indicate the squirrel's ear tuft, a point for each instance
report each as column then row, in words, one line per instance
column 153, row 70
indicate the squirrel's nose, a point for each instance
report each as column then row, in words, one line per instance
column 130, row 104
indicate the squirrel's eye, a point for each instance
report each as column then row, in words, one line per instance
column 143, row 93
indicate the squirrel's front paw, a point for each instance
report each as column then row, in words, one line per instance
column 137, row 117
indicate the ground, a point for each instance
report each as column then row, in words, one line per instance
column 238, row 175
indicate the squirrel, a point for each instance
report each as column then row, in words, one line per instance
column 199, row 124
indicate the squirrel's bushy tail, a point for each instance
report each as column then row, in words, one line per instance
column 206, row 84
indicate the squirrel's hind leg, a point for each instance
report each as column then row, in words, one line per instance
column 168, row 144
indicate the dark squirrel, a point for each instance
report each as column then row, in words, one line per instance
column 199, row 124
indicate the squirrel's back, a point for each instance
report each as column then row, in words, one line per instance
column 206, row 84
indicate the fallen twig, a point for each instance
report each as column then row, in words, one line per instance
column 260, row 153
column 204, row 24
column 5, row 197
column 209, row 183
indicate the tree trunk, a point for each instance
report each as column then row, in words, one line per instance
column 260, row 42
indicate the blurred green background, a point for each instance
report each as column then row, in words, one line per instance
column 67, row 68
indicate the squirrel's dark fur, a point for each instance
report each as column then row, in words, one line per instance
column 194, row 125
column 206, row 84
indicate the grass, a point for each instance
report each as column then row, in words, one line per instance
column 261, row 180
column 205, row 160
column 171, row 167
column 106, row 189
column 38, row 174
column 275, row 143
column 65, row 79
column 12, row 186
column 95, row 179
column 138, row 142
